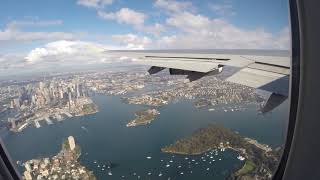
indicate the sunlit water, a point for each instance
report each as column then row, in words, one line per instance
column 104, row 138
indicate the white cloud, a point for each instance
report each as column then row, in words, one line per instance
column 283, row 39
column 68, row 52
column 223, row 9
column 155, row 29
column 198, row 31
column 135, row 18
column 17, row 35
column 12, row 31
column 94, row 3
column 11, row 61
column 172, row 6
column 33, row 23
column 125, row 16
column 131, row 41
column 58, row 56
column 188, row 22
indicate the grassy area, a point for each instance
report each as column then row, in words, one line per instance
column 89, row 108
column 65, row 145
column 247, row 167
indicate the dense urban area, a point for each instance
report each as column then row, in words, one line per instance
column 64, row 165
column 61, row 96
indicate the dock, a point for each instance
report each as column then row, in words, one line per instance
column 68, row 114
column 37, row 124
column 22, row 127
column 58, row 117
column 49, row 122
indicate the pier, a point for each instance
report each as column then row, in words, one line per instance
column 49, row 122
column 68, row 114
column 58, row 117
column 37, row 124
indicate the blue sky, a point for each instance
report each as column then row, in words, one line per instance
column 34, row 31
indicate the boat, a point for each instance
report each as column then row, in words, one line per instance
column 241, row 158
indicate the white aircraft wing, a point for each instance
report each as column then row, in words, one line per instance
column 267, row 70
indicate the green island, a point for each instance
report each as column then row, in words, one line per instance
column 143, row 117
column 64, row 165
column 260, row 160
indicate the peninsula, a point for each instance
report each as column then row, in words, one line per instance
column 260, row 159
column 64, row 165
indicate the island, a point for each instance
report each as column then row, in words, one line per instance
column 143, row 117
column 260, row 160
column 64, row 165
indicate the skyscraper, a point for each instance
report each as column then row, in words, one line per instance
column 72, row 143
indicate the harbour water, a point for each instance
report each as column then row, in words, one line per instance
column 134, row 152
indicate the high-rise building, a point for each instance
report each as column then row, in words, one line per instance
column 13, row 122
column 16, row 102
column 33, row 100
column 77, row 90
column 41, row 86
column 60, row 93
column 72, row 143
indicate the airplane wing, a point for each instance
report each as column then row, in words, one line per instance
column 266, row 70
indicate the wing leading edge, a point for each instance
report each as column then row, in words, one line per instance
column 267, row 72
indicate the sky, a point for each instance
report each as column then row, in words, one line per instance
column 37, row 34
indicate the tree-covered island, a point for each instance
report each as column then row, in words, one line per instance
column 143, row 117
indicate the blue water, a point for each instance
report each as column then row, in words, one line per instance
column 106, row 139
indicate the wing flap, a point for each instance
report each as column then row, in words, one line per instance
column 260, row 79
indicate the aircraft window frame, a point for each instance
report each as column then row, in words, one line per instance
column 294, row 86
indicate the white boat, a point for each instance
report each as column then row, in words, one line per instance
column 241, row 158
column 110, row 173
column 149, row 157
